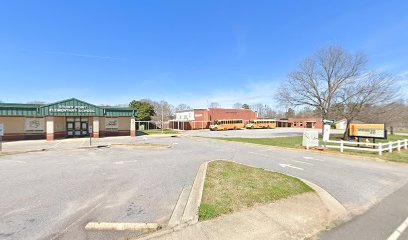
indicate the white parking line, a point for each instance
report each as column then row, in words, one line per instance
column 290, row 166
column 303, row 162
column 314, row 159
column 397, row 233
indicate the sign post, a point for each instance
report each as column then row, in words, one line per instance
column 90, row 131
column 1, row 136
column 326, row 130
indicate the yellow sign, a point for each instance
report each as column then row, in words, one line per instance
column 367, row 130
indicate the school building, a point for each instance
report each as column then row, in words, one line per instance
column 202, row 118
column 65, row 119
column 300, row 122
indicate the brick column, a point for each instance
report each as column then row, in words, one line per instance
column 132, row 127
column 95, row 127
column 50, row 128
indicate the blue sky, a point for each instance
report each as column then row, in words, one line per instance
column 184, row 51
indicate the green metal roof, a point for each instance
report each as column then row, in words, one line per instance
column 68, row 107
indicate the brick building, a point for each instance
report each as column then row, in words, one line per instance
column 202, row 118
column 63, row 119
column 305, row 122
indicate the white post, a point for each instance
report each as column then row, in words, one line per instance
column 390, row 147
column 50, row 128
column 380, row 149
column 406, row 144
column 341, row 145
column 398, row 146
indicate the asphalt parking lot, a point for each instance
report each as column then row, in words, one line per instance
column 247, row 133
column 252, row 133
column 53, row 194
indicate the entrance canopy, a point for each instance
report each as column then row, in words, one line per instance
column 70, row 107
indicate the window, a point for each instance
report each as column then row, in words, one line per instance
column 301, row 124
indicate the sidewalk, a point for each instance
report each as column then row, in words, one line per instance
column 299, row 217
column 70, row 143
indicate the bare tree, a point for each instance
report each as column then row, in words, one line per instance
column 269, row 112
column 393, row 115
column 259, row 108
column 163, row 110
column 317, row 80
column 237, row 105
column 214, row 105
column 306, row 112
column 182, row 107
column 372, row 89
column 336, row 83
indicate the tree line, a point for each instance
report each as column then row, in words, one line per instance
column 339, row 85
column 332, row 83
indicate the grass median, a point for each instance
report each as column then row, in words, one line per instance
column 229, row 187
column 296, row 142
column 157, row 131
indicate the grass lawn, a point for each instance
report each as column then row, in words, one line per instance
column 296, row 142
column 230, row 186
column 292, row 142
column 158, row 131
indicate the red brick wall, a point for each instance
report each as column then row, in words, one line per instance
column 304, row 121
column 221, row 113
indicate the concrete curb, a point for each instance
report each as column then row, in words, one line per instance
column 337, row 213
column 189, row 214
column 108, row 226
column 191, row 211
column 178, row 210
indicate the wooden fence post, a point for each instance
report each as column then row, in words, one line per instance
column 341, row 145
column 406, row 144
column 398, row 146
column 380, row 149
column 390, row 147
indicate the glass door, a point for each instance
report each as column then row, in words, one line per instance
column 77, row 126
column 70, row 127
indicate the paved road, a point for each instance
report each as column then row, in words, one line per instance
column 52, row 195
column 247, row 133
column 254, row 133
column 378, row 223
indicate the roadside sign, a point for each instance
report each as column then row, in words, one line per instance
column 310, row 139
column 326, row 135
column 368, row 130
column 326, row 121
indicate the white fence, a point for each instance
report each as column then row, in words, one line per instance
column 381, row 147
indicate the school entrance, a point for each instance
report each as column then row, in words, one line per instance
column 77, row 127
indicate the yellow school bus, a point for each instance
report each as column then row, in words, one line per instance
column 229, row 124
column 261, row 123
